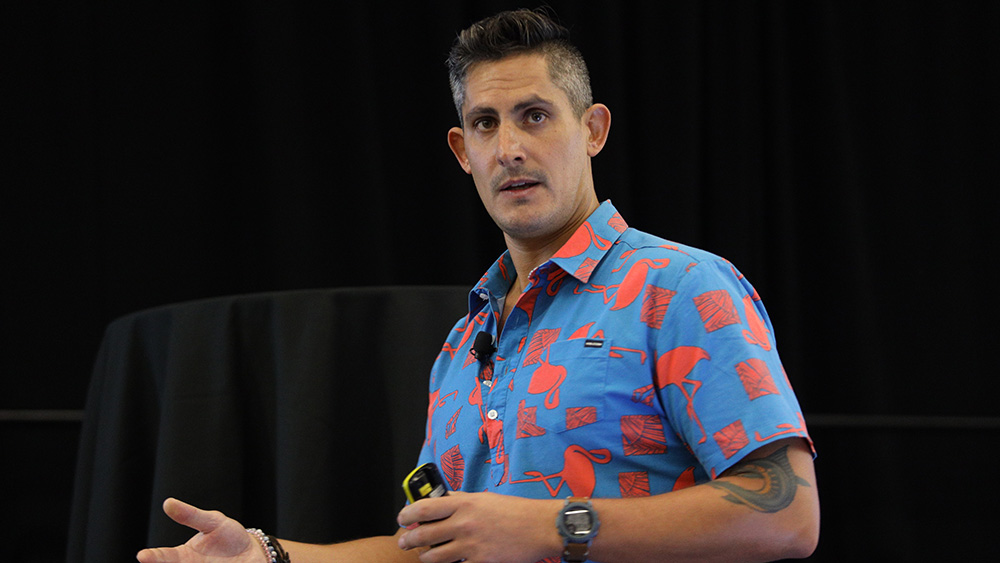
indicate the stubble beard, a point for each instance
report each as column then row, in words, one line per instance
column 516, row 219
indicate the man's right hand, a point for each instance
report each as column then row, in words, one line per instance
column 220, row 539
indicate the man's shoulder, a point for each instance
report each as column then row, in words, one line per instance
column 655, row 246
column 666, row 263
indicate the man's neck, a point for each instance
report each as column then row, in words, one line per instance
column 528, row 254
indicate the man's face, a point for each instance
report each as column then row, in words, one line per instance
column 527, row 150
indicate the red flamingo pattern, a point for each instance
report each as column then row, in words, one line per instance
column 435, row 402
column 628, row 354
column 577, row 472
column 756, row 378
column 758, row 333
column 655, row 304
column 685, row 479
column 580, row 241
column 716, row 309
column 578, row 417
column 731, row 438
column 547, row 379
column 466, row 330
column 633, row 484
column 642, row 434
column 785, row 429
column 526, row 427
column 625, row 293
column 452, row 466
column 673, row 368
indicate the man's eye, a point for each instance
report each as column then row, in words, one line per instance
column 484, row 124
column 536, row 117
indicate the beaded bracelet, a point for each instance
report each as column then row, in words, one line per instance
column 272, row 549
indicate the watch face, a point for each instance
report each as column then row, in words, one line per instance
column 578, row 521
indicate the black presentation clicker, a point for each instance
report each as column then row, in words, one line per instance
column 424, row 482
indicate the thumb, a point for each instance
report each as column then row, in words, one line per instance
column 193, row 517
column 158, row 555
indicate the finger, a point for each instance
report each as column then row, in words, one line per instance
column 447, row 553
column 193, row 517
column 427, row 535
column 426, row 510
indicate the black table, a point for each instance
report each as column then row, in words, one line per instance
column 297, row 412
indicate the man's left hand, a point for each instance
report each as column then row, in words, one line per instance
column 481, row 527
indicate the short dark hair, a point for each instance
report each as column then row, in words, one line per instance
column 518, row 32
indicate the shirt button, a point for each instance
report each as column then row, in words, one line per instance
column 492, row 415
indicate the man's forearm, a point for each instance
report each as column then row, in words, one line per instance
column 764, row 508
column 378, row 548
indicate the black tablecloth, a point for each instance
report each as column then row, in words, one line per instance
column 296, row 412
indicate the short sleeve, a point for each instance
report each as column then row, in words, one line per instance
column 717, row 370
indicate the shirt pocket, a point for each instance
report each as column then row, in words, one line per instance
column 566, row 388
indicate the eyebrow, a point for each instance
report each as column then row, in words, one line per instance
column 534, row 100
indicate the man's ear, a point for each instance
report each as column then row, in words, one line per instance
column 597, row 118
column 456, row 140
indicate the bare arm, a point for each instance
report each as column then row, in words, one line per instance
column 765, row 507
column 379, row 548
column 221, row 539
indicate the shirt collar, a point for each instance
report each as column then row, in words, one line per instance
column 578, row 257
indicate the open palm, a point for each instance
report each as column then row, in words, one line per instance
column 219, row 539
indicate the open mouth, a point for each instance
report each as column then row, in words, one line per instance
column 518, row 185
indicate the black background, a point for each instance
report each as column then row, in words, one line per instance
column 842, row 154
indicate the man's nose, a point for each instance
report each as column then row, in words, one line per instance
column 510, row 151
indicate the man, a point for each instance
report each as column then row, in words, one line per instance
column 636, row 375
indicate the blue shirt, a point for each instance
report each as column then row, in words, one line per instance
column 629, row 366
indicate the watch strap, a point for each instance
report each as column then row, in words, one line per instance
column 576, row 552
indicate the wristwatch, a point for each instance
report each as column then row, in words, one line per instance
column 577, row 524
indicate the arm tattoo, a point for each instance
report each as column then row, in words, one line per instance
column 777, row 483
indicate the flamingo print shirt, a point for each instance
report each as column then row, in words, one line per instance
column 630, row 366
